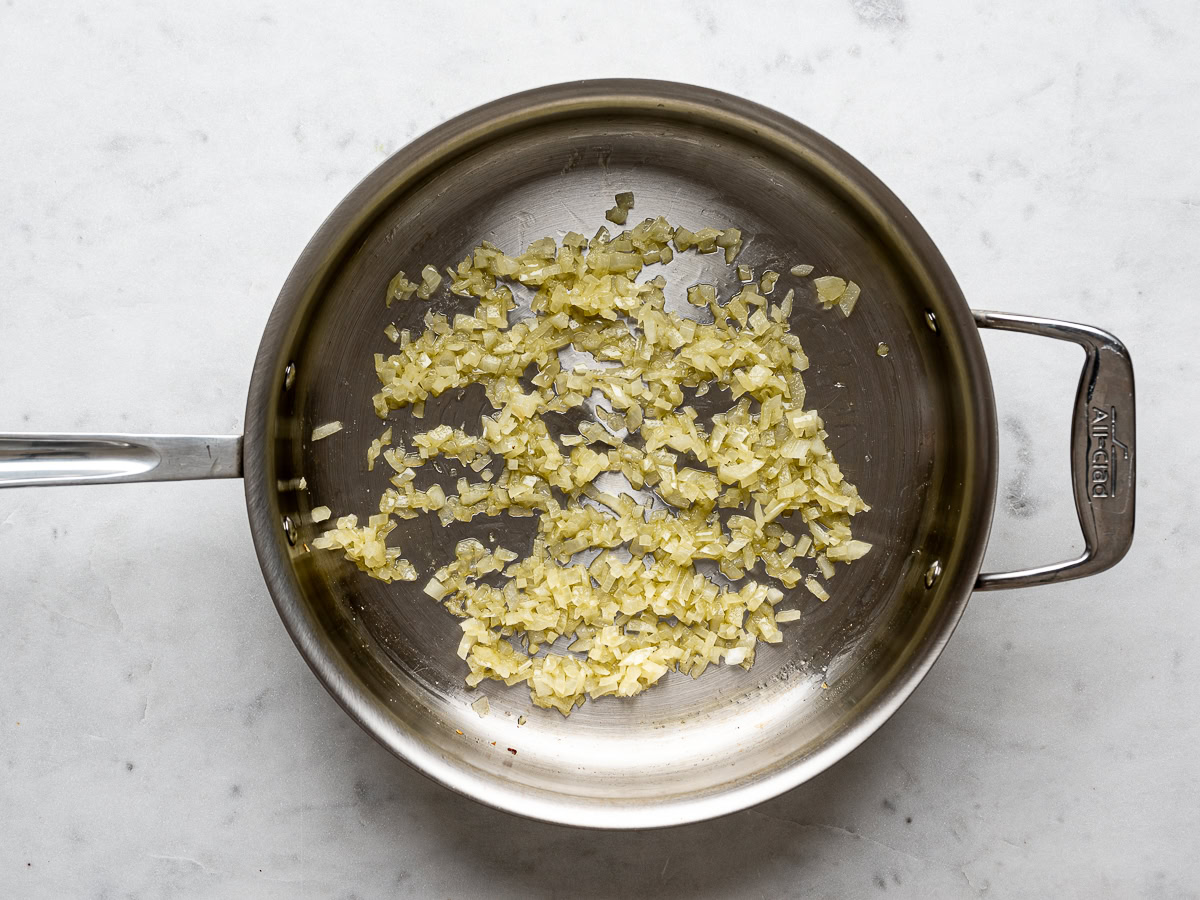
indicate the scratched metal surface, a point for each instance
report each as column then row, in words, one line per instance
column 909, row 429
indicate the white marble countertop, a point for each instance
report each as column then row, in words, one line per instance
column 161, row 168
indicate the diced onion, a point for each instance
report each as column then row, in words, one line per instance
column 618, row 578
column 829, row 289
column 324, row 431
column 431, row 280
column 399, row 288
column 321, row 513
column 849, row 298
column 619, row 214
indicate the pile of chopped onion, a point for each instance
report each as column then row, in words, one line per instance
column 616, row 579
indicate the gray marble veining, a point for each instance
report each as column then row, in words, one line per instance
column 162, row 167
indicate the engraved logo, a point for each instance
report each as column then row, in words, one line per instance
column 1104, row 452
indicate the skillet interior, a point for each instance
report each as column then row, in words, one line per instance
column 914, row 430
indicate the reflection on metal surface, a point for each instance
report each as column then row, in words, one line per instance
column 47, row 459
column 1102, row 450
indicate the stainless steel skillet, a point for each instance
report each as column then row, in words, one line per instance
column 916, row 431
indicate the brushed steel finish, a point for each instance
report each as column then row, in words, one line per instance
column 915, row 430
column 1103, row 470
column 48, row 459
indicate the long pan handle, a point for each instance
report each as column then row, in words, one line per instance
column 1102, row 450
column 43, row 459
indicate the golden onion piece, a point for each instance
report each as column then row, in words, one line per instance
column 323, row 431
column 829, row 289
column 849, row 298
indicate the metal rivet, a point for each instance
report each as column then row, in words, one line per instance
column 931, row 320
column 932, row 573
column 289, row 529
column 289, row 376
